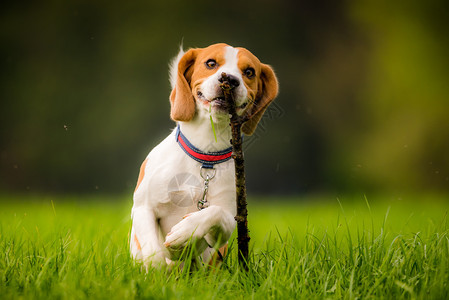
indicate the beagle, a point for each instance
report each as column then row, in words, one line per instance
column 185, row 196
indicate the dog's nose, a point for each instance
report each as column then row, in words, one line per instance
column 231, row 79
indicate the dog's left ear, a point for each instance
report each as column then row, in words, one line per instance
column 181, row 98
column 268, row 90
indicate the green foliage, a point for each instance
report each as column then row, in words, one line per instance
column 212, row 122
column 363, row 99
column 308, row 250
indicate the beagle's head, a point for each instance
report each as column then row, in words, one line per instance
column 195, row 77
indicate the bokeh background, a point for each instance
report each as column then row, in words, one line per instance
column 363, row 104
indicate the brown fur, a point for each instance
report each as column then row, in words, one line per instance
column 262, row 89
column 216, row 260
column 267, row 91
column 141, row 174
column 181, row 98
column 137, row 242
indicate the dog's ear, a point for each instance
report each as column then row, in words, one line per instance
column 268, row 90
column 181, row 98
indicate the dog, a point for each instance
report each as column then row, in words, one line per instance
column 185, row 196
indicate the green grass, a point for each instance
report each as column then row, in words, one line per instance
column 301, row 248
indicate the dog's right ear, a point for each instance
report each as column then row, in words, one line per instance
column 268, row 90
column 181, row 98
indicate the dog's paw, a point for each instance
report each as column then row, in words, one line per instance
column 189, row 228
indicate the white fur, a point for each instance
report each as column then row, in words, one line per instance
column 210, row 86
column 199, row 129
column 173, row 67
column 162, row 226
column 165, row 215
column 155, row 213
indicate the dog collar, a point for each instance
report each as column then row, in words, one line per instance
column 207, row 159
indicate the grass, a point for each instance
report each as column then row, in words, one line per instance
column 301, row 248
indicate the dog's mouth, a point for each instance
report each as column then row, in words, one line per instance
column 219, row 101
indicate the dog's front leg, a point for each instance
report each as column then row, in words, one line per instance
column 146, row 231
column 211, row 226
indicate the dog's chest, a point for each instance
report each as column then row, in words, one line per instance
column 184, row 189
column 175, row 183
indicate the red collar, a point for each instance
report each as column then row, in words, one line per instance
column 207, row 159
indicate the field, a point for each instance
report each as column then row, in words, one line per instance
column 303, row 248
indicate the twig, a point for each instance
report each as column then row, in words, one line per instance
column 240, row 185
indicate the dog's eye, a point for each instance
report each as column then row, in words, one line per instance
column 249, row 72
column 211, row 64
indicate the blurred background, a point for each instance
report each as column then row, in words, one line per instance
column 363, row 103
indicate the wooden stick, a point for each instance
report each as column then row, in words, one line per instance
column 240, row 184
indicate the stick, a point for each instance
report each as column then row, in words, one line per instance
column 240, row 185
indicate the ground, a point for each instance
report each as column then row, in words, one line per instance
column 301, row 247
